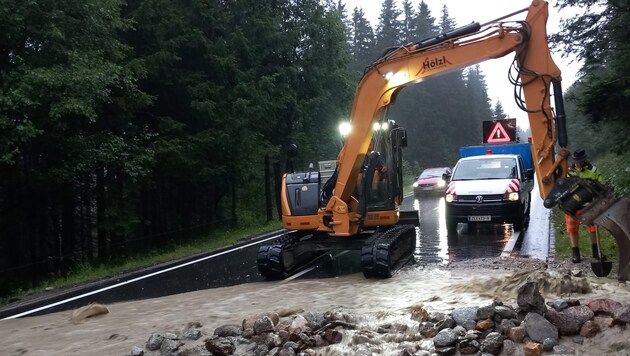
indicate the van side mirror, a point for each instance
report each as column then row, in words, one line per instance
column 529, row 174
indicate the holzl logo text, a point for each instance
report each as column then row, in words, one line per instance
column 434, row 63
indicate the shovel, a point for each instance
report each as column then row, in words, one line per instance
column 602, row 266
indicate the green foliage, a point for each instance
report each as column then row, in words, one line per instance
column 616, row 171
column 562, row 242
column 599, row 37
column 86, row 271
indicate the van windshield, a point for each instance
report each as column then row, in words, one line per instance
column 485, row 168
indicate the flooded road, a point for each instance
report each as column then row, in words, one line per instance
column 236, row 265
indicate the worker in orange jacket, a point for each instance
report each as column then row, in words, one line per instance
column 581, row 168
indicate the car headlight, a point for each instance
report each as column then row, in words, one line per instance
column 450, row 198
column 512, row 196
column 415, row 184
column 441, row 183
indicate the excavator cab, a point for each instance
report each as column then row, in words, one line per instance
column 380, row 183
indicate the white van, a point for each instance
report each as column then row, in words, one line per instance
column 489, row 189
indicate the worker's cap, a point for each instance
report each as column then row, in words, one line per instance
column 579, row 156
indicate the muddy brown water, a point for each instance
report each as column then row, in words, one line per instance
column 373, row 302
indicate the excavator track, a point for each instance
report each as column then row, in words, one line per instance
column 276, row 259
column 290, row 252
column 386, row 250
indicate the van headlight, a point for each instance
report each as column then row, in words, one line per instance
column 450, row 198
column 512, row 196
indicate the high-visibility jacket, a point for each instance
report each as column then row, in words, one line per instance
column 587, row 171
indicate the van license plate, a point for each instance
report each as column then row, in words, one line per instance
column 479, row 218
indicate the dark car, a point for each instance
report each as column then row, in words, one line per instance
column 431, row 181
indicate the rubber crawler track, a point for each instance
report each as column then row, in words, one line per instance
column 386, row 249
column 270, row 257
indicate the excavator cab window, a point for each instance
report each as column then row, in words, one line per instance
column 380, row 194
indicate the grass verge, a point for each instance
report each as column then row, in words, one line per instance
column 608, row 245
column 86, row 272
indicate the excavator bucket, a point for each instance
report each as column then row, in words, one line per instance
column 612, row 214
column 597, row 204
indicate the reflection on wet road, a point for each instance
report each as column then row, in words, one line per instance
column 434, row 246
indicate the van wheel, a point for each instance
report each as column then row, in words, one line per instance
column 518, row 225
column 522, row 220
column 451, row 227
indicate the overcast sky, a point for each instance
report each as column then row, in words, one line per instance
column 482, row 11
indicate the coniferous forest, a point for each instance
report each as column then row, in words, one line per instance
column 128, row 124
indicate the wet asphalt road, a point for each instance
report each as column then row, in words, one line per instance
column 237, row 264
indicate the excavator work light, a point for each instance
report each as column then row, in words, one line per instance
column 345, row 128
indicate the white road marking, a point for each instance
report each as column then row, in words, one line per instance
column 137, row 279
column 509, row 247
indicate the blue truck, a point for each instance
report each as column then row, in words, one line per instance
column 522, row 149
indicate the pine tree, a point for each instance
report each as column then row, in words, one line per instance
column 389, row 31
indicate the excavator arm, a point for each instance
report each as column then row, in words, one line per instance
column 416, row 62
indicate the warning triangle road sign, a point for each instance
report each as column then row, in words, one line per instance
column 498, row 134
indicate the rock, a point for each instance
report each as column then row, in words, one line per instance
column 220, row 346
column 195, row 351
column 314, row 320
column 170, row 347
column 445, row 338
column 191, row 334
column 485, row 312
column 549, row 344
column 492, row 343
column 511, row 349
column 418, row 313
column 505, row 326
column 446, row 323
column 228, row 330
column 446, row 351
column 570, row 320
column 333, row 336
column 137, row 351
column 485, row 324
column 506, row 312
column 298, row 324
column 538, row 328
column 154, row 342
column 529, row 299
column 88, row 311
column 589, row 329
column 604, row 306
column 469, row 347
column 427, row 330
column 264, row 325
column 558, row 305
column 465, row 314
column 436, row 316
column 622, row 315
column 533, row 349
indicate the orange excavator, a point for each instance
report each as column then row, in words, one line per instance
column 353, row 210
